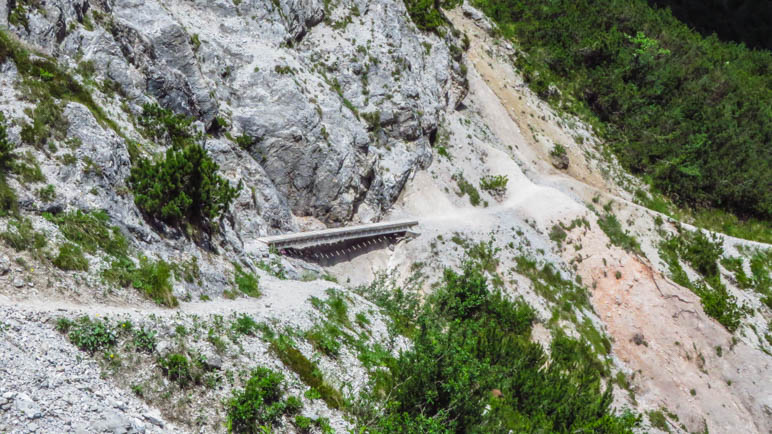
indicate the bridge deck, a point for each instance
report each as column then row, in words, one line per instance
column 301, row 240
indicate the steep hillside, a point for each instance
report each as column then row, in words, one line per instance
column 146, row 146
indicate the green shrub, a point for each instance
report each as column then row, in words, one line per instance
column 558, row 151
column 246, row 281
column 245, row 325
column 494, row 183
column 558, row 234
column 154, row 279
column 48, row 123
column 44, row 80
column 308, row 372
column 166, row 127
column 8, row 200
column 7, row 154
column 20, row 235
column 259, row 403
column 703, row 255
column 91, row 231
column 144, row 340
column 47, row 193
column 89, row 335
column 177, row 368
column 658, row 420
column 426, row 13
column 326, row 338
column 618, row 236
column 467, row 188
column 70, row 258
column 183, row 187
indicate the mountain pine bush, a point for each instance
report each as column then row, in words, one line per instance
column 182, row 187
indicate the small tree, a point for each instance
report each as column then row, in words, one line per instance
column 182, row 187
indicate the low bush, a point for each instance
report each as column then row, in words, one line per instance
column 166, row 127
column 308, row 371
column 259, row 405
column 177, row 368
column 20, row 235
column 87, row 334
column 70, row 258
column 494, row 183
column 91, row 231
column 153, row 278
column 618, row 236
column 702, row 253
column 245, row 325
column 465, row 187
column 144, row 340
column 7, row 156
column 245, row 281
column 326, row 337
column 184, row 187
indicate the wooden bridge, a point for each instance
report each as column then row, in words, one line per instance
column 328, row 244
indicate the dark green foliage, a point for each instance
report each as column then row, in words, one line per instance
column 47, row 193
column 6, row 147
column 760, row 278
column 177, row 368
column 144, row 340
column 471, row 341
column 48, row 123
column 245, row 325
column 494, row 183
column 87, row 334
column 719, row 304
column 702, row 254
column 548, row 282
column 183, row 187
column 618, row 236
column 466, row 187
column 693, row 113
column 91, row 231
column 20, row 235
column 326, row 338
column 153, row 278
column 246, row 281
column 7, row 156
column 426, row 14
column 8, row 200
column 658, row 420
column 70, row 258
column 401, row 305
column 166, row 127
column 259, row 403
column 558, row 151
column 558, row 234
column 308, row 372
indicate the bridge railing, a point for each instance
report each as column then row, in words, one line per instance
column 328, row 236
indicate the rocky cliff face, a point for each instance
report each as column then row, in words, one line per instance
column 320, row 109
column 337, row 103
